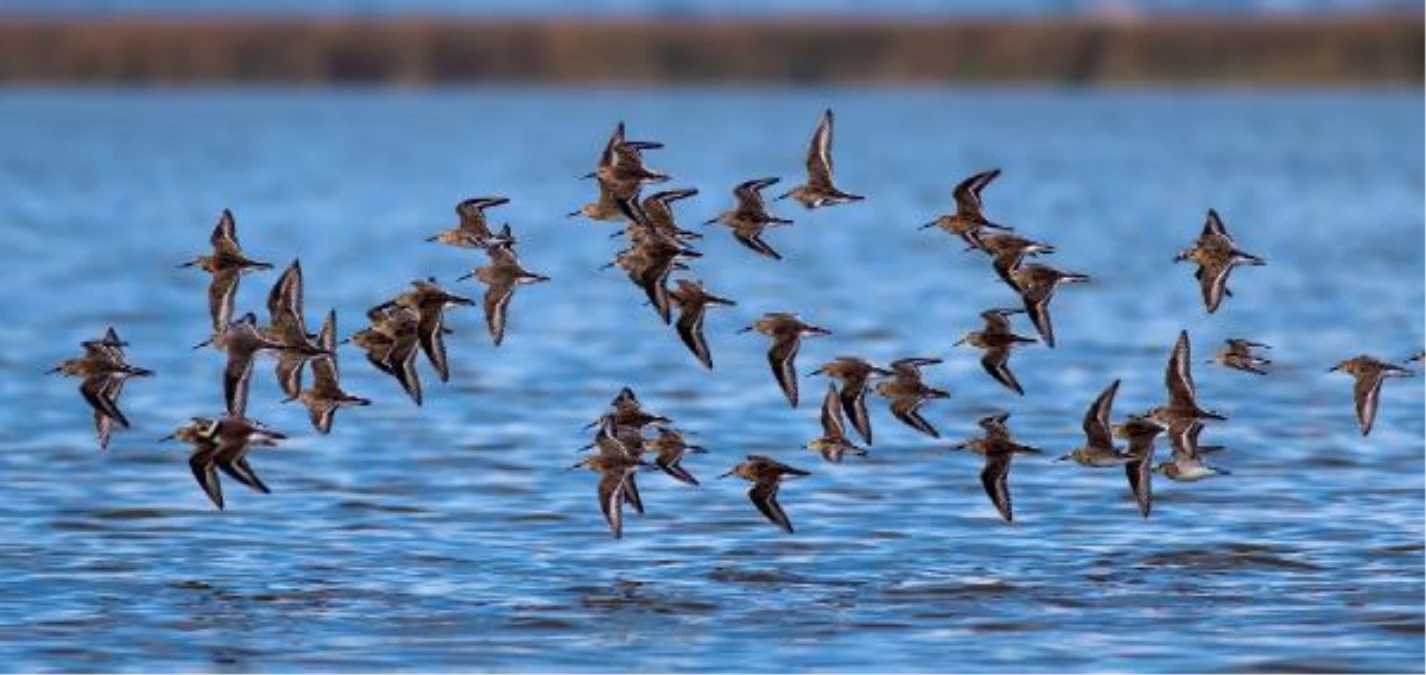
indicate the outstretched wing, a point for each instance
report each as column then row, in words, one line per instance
column 819, row 154
column 764, row 496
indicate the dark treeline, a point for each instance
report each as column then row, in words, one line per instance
column 413, row 51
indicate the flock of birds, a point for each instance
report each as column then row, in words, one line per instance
column 657, row 248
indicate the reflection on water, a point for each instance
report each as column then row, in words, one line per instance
column 452, row 536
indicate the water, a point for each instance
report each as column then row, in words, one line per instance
column 452, row 537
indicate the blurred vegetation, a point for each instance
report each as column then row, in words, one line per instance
column 414, row 51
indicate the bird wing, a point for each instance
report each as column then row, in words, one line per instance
column 853, row 397
column 204, row 471
column 690, row 330
column 996, row 362
column 96, row 391
column 221, row 291
column 611, row 499
column 1365, row 393
column 1140, row 472
column 764, row 496
column 819, row 154
column 832, row 414
column 497, row 300
column 237, row 377
column 905, row 409
column 1096, row 419
column 1178, row 375
column 782, row 358
column 225, row 236
column 967, row 193
column 430, row 332
column 993, row 479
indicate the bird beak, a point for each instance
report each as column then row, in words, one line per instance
column 782, row 196
column 710, row 221
column 53, row 370
column 927, row 226
column 167, row 438
column 587, row 176
column 1063, row 458
column 959, row 342
column 726, row 475
column 744, row 330
column 1334, row 369
column 203, row 344
column 188, row 264
column 815, row 330
column 432, row 238
column 465, row 276
column 696, row 449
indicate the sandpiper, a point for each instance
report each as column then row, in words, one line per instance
column 241, row 340
column 1187, row 462
column 692, row 301
column 1182, row 401
column 605, row 207
column 1216, row 255
column 651, row 257
column 429, row 301
column 390, row 344
column 1007, row 251
column 786, row 331
column 104, row 370
column 819, row 190
column 997, row 339
column 669, row 448
column 750, row 216
column 501, row 277
column 854, row 374
column 472, row 231
column 998, row 451
column 627, row 412
column 908, row 392
column 1140, row 432
column 1369, row 372
column 658, row 207
column 1238, row 355
column 968, row 219
column 833, row 442
column 288, row 325
column 325, row 396
column 1037, row 284
column 226, row 264
column 1098, row 449
column 224, row 444
column 616, row 467
column 767, row 475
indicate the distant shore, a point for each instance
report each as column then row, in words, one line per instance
column 1340, row 50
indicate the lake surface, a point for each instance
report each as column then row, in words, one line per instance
column 453, row 537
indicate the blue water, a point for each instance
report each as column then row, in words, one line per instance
column 452, row 537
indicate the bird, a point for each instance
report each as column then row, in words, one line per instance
column 908, row 393
column 1037, row 284
column 1007, row 251
column 786, row 331
column 241, row 340
column 1187, row 463
column 1140, row 431
column 1238, row 355
column 1370, row 372
column 288, row 325
column 833, row 443
column 626, row 411
column 226, row 264
column 223, row 444
column 652, row 256
column 997, row 339
column 326, row 396
column 968, row 219
column 1098, row 449
column 429, row 301
column 750, row 216
column 104, row 370
column 1216, row 255
column 819, row 190
column 854, row 374
column 766, row 475
column 604, row 208
column 998, row 452
column 669, row 448
column 472, row 231
column 1182, row 401
column 390, row 343
column 616, row 467
column 658, row 208
column 692, row 301
column 501, row 277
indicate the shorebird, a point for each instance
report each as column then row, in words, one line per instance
column 1187, row 463
column 766, row 475
column 833, row 442
column 658, row 208
column 1037, row 284
column 616, row 467
column 651, row 257
column 226, row 264
column 241, row 340
column 1098, row 449
column 854, row 374
column 627, row 412
column 390, row 344
column 997, row 339
column 669, row 448
column 605, row 207
column 968, row 219
column 429, row 301
column 1182, row 404
column 786, row 331
column 692, row 301
column 1216, row 255
column 223, row 444
column 287, row 324
column 1140, row 432
column 907, row 393
column 1238, row 355
column 998, row 451
column 750, row 216
column 819, row 190
column 1369, row 372
column 325, row 396
column 1007, row 251
column 621, row 170
column 472, row 231
column 104, row 370
column 501, row 277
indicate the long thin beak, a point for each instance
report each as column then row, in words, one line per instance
column 816, row 330
column 572, row 214
column 695, row 449
column 745, row 330
column 167, row 438
column 433, row 237
column 1334, row 369
column 782, row 196
column 726, row 475
column 1063, row 458
column 587, row 176
column 710, row 221
column 465, row 276
column 927, row 226
column 959, row 342
column 203, row 344
column 53, row 370
column 187, row 264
